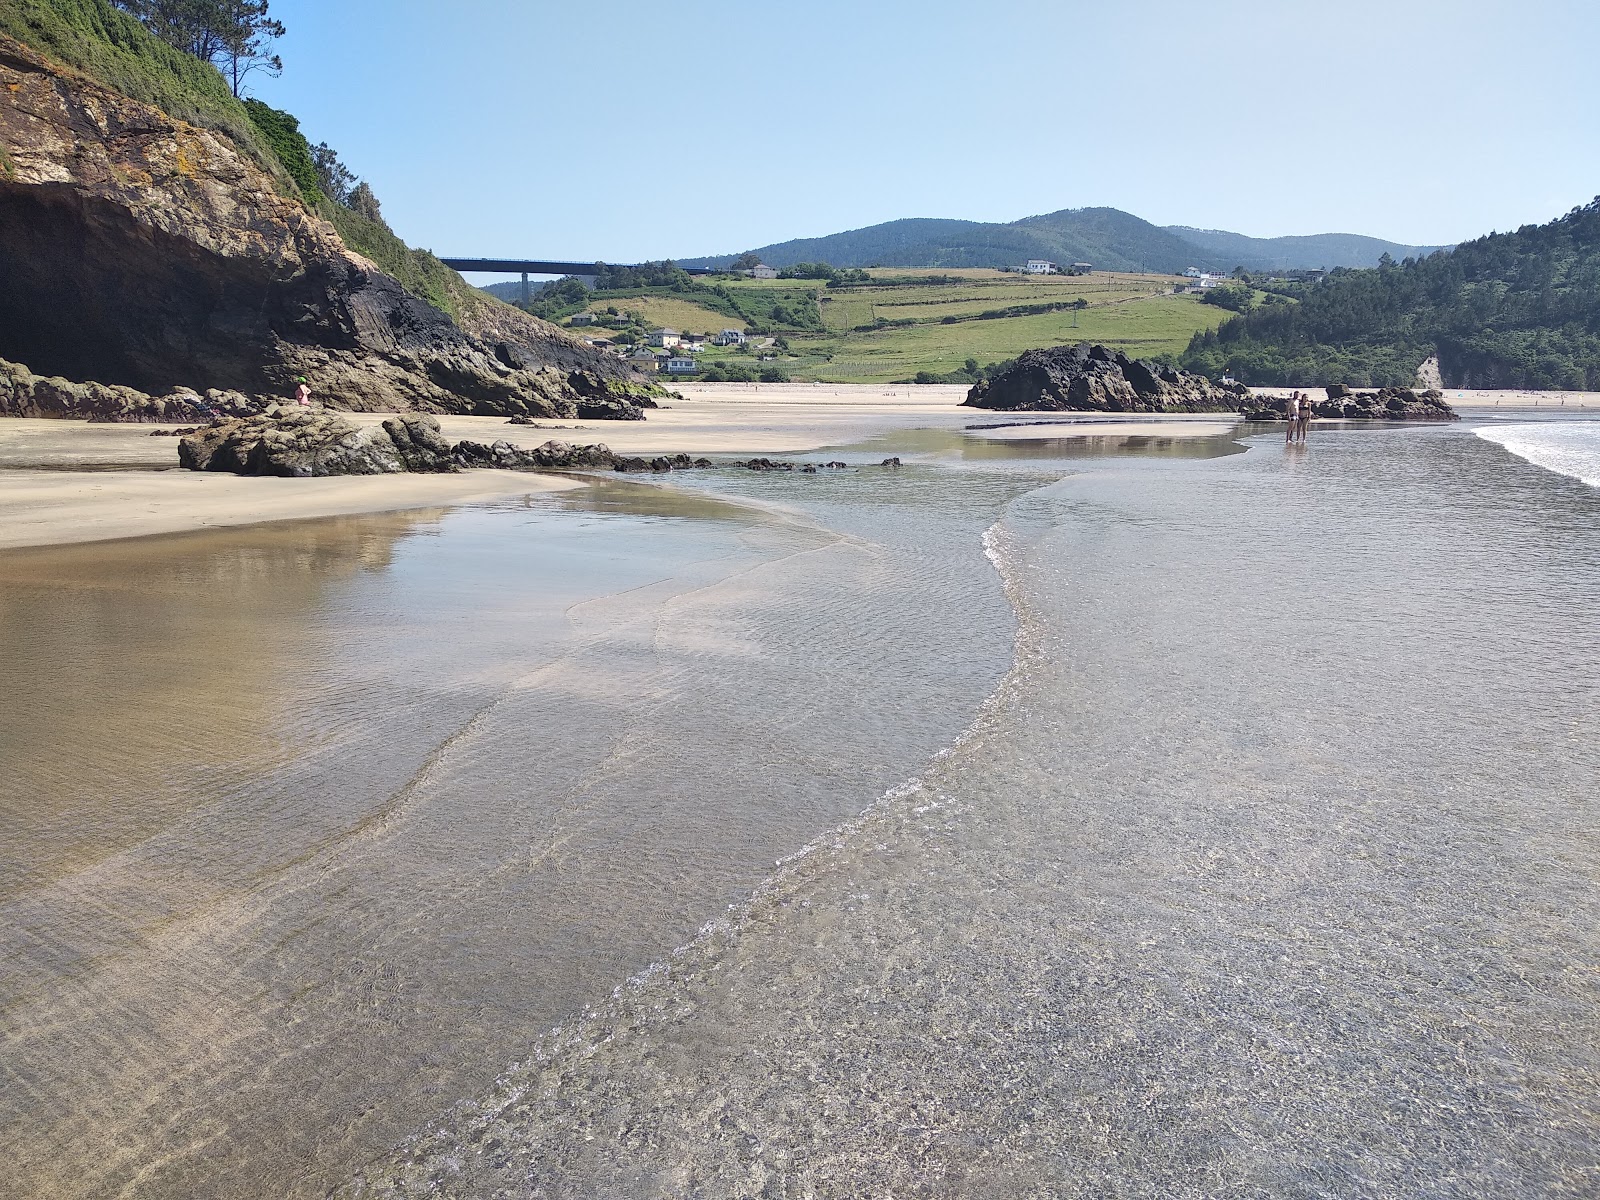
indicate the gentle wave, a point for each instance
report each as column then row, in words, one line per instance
column 1570, row 448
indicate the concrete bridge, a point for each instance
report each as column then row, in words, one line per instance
column 528, row 266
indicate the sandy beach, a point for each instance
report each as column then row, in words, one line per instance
column 128, row 483
column 70, row 481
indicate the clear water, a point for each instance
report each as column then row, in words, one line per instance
column 1259, row 859
column 1567, row 447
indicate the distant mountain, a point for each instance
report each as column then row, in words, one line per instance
column 1108, row 238
column 1510, row 310
column 1317, row 250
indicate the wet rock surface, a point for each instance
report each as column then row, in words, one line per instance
column 303, row 444
column 307, row 443
column 1380, row 404
column 1085, row 378
column 143, row 252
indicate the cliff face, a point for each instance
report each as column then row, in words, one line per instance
column 140, row 251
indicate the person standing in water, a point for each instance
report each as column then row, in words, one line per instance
column 302, row 392
column 1291, row 410
column 1305, row 417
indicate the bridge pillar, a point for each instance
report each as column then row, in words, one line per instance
column 526, row 296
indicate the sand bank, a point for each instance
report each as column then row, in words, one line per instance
column 748, row 419
column 70, row 481
column 49, row 507
column 1108, row 429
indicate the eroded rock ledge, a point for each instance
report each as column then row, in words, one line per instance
column 1085, row 378
column 300, row 444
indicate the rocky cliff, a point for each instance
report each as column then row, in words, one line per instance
column 144, row 253
column 1086, row 378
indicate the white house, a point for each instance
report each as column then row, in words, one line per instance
column 1039, row 266
column 729, row 337
column 760, row 271
column 666, row 338
column 1191, row 272
column 681, row 365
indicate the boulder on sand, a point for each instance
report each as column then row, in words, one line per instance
column 300, row 444
column 1085, row 378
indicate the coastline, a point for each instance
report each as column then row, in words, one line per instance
column 64, row 481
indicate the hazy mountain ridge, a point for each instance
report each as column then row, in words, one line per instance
column 1316, row 250
column 1108, row 238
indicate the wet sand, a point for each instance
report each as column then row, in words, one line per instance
column 46, row 508
column 129, row 485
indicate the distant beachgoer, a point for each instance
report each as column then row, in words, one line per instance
column 302, row 393
column 1305, row 417
column 1291, row 409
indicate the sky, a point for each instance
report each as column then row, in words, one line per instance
column 623, row 131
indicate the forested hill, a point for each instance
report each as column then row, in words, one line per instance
column 1318, row 250
column 1108, row 238
column 1507, row 310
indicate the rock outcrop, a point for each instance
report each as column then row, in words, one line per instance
column 24, row 394
column 1087, row 378
column 306, row 443
column 1382, row 404
column 145, row 253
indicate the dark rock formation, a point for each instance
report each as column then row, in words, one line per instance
column 1384, row 404
column 301, row 443
column 24, row 394
column 1086, row 378
column 891, row 463
column 143, row 252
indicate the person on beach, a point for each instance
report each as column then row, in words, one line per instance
column 302, row 392
column 1305, row 418
column 1291, row 410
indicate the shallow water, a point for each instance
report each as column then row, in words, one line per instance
column 1267, row 869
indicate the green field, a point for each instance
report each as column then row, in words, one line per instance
column 1141, row 327
column 908, row 321
column 669, row 311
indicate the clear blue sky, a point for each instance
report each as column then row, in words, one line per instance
column 623, row 131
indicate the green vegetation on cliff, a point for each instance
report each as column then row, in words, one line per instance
column 115, row 50
column 1510, row 310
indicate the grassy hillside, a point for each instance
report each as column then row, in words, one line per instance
column 1108, row 238
column 896, row 324
column 1508, row 310
column 903, row 324
column 114, row 50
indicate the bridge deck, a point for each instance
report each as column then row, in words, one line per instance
column 516, row 266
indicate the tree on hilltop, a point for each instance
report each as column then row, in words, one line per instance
column 235, row 36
